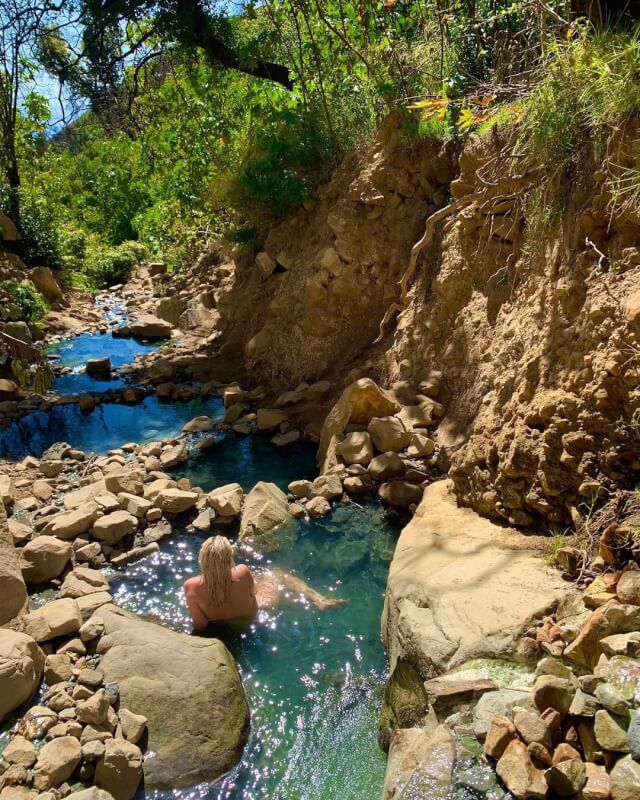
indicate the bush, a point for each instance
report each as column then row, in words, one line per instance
column 113, row 265
column 22, row 302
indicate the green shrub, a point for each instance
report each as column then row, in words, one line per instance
column 113, row 265
column 23, row 301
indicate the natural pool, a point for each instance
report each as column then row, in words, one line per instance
column 313, row 679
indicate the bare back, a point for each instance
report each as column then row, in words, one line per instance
column 240, row 601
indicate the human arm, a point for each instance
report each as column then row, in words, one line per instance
column 199, row 618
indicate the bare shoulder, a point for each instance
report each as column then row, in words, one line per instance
column 191, row 585
column 242, row 572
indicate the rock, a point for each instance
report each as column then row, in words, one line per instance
column 133, row 725
column 421, row 446
column 129, row 481
column 91, row 602
column 136, row 553
column 386, row 466
column 56, row 762
column 265, row 508
column 6, row 490
column 44, row 558
column 633, row 736
column 419, row 764
column 54, row 619
column 400, row 494
column 91, row 629
column 21, row 668
column 359, row 403
column 147, row 326
column 226, row 500
column 13, row 592
column 37, row 721
column 100, row 367
column 533, row 728
column 45, row 282
column 92, row 793
column 112, row 528
column 625, row 780
column 138, row 506
column 19, row 330
column 628, row 588
column 173, row 456
column 327, row 486
column 566, row 778
column 318, row 507
column 301, row 489
column 20, row 751
column 198, row 424
column 621, row 644
column 389, row 434
column 583, row 705
column 70, row 524
column 57, row 668
column 175, row 501
column 356, row 448
column 447, row 692
column 83, row 581
column 196, row 736
column 609, row 697
column 20, row 531
column 610, row 732
column 549, row 691
column 500, row 587
column 269, row 418
column 522, row 779
column 265, row 264
column 597, row 785
column 501, row 732
column 93, row 711
column 92, row 678
column 119, row 771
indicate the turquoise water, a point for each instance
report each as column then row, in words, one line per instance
column 313, row 679
column 108, row 426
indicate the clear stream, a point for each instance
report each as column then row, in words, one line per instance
column 314, row 679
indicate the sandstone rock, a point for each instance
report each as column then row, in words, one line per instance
column 226, row 500
column 419, row 764
column 20, row 751
column 21, row 667
column 175, row 501
column 549, row 691
column 93, row 711
column 138, row 506
column 129, row 481
column 45, row 282
column 401, row 494
column 269, row 418
column 621, row 644
column 421, row 446
column 318, row 507
column 91, row 602
column 92, row 793
column 265, row 508
column 356, row 448
column 522, row 779
column 56, row 762
column 610, row 732
column 69, row 524
column 100, row 367
column 628, row 588
column 13, row 592
column 533, row 728
column 133, row 725
column 359, row 403
column 119, row 771
column 597, row 785
column 327, row 486
column 83, row 581
column 500, row 587
column 625, row 779
column 301, row 489
column 198, row 424
column 37, row 721
column 566, row 778
column 501, row 732
column 173, row 456
column 91, row 629
column 147, row 326
column 389, row 434
column 57, row 668
column 152, row 489
column 196, row 736
column 54, row 619
column 112, row 528
column 386, row 466
column 20, row 531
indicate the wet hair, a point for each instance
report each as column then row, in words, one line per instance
column 216, row 563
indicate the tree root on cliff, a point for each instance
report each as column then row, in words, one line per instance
column 417, row 248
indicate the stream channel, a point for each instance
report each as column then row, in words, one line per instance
column 313, row 679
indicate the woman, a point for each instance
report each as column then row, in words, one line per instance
column 225, row 591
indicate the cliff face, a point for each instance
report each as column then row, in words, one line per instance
column 534, row 328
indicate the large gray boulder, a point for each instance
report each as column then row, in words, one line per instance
column 21, row 667
column 189, row 690
column 13, row 592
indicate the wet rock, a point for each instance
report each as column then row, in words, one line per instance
column 226, row 500
column 198, row 424
column 112, row 528
column 356, row 448
column 566, row 778
column 447, row 692
column 401, row 494
column 625, row 779
column 54, row 619
column 44, row 558
column 318, row 507
column 56, row 762
column 21, row 668
column 389, row 434
column 419, row 764
column 100, row 367
column 196, row 736
column 265, row 508
column 173, row 456
column 175, row 501
column 327, row 486
column 516, row 770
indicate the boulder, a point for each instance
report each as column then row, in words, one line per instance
column 519, row 775
column 56, row 762
column 21, row 668
column 130, row 481
column 147, row 326
column 420, row 764
column 83, row 581
column 138, row 506
column 119, row 771
column 6, row 490
column 226, row 500
column 386, row 466
column 625, row 780
column 70, row 524
column 13, row 592
column 198, row 424
column 401, row 494
column 628, row 588
column 100, row 367
column 19, row 330
column 8, row 389
column 54, row 619
column 269, row 418
column 20, row 751
column 172, row 456
column 133, row 725
column 112, row 528
column 265, row 508
column 45, row 282
column 189, row 690
column 500, row 585
column 356, row 448
column 44, row 558
column 318, row 507
column 359, row 403
column 389, row 434
column 327, row 486
column 92, row 793
column 176, row 501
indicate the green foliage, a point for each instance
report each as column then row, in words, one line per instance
column 23, row 301
column 110, row 266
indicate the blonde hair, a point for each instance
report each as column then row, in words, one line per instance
column 216, row 563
